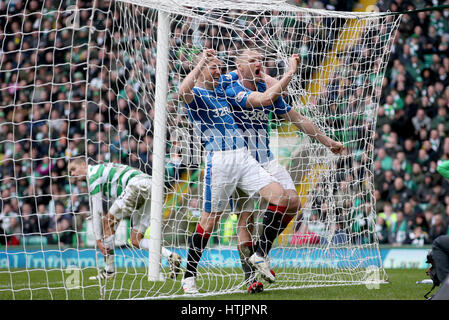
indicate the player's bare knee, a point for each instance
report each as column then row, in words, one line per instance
column 294, row 203
column 283, row 200
column 209, row 221
column 274, row 194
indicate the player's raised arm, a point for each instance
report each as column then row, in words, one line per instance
column 185, row 89
column 275, row 89
column 308, row 127
column 98, row 222
column 279, row 87
column 270, row 82
column 97, row 216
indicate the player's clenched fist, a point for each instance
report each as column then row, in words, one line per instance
column 208, row 55
column 336, row 147
column 294, row 63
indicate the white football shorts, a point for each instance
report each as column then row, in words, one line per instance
column 246, row 203
column 228, row 170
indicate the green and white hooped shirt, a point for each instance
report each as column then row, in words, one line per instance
column 110, row 179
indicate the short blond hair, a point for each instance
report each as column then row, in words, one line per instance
column 244, row 53
column 77, row 161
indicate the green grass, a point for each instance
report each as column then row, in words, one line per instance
column 402, row 286
column 50, row 285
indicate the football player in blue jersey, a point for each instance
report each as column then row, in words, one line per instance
column 228, row 162
column 244, row 92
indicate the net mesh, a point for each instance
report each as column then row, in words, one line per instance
column 79, row 80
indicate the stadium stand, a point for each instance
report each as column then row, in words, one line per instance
column 412, row 133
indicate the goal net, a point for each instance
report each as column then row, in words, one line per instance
column 80, row 78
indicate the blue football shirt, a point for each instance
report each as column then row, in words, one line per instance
column 252, row 121
column 211, row 116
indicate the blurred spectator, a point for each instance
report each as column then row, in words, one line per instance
column 420, row 221
column 388, row 215
column 428, row 215
column 9, row 225
column 421, row 121
column 79, row 217
column 396, row 203
column 379, row 201
column 340, row 235
column 43, row 219
column 29, row 220
column 439, row 227
column 418, row 237
column 424, row 191
column 61, row 225
column 410, row 149
column 387, row 182
column 382, row 231
column 435, row 205
column 409, row 183
column 399, row 230
column 400, row 190
column 316, row 226
column 385, row 160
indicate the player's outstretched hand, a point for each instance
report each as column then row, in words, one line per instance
column 208, row 55
column 336, row 147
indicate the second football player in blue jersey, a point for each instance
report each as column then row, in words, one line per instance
column 228, row 162
column 250, row 107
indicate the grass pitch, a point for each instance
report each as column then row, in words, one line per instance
column 52, row 285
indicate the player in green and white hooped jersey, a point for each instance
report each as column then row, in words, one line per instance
column 130, row 189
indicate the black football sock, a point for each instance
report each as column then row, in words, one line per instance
column 197, row 244
column 275, row 221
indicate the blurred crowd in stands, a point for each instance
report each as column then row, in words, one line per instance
column 48, row 113
column 412, row 134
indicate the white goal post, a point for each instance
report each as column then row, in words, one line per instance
column 157, row 195
column 100, row 81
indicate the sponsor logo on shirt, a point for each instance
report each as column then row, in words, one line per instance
column 240, row 96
